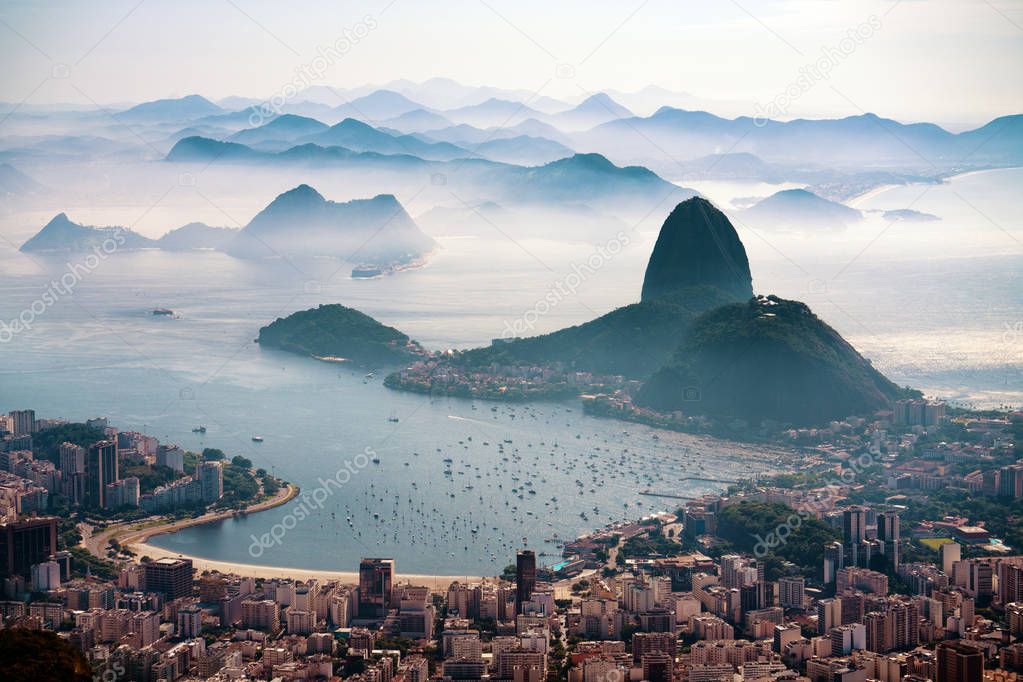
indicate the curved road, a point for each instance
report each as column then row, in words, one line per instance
column 132, row 532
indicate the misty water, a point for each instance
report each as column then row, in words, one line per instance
column 937, row 305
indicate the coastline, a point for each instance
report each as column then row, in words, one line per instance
column 434, row 582
column 880, row 189
column 135, row 535
column 870, row 194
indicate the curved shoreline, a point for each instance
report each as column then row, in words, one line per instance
column 134, row 535
column 434, row 582
column 881, row 189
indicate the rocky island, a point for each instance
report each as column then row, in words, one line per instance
column 339, row 334
column 373, row 232
column 376, row 234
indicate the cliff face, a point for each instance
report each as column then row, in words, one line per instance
column 767, row 358
column 697, row 246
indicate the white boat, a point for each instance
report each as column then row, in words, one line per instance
column 257, row 439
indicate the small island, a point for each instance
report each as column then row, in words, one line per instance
column 335, row 333
column 909, row 215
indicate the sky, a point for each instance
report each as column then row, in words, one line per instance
column 955, row 62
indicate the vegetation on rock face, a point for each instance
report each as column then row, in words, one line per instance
column 634, row 340
column 334, row 331
column 46, row 443
column 747, row 524
column 767, row 358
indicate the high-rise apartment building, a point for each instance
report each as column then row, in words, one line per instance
column 23, row 422
column 376, row 577
column 100, row 469
column 525, row 577
column 211, row 480
column 888, row 536
column 169, row 577
column 958, row 662
column 791, row 591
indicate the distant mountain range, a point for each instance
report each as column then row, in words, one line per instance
column 373, row 232
column 378, row 105
column 606, row 122
column 581, row 178
column 592, row 111
column 800, row 209
column 14, row 183
column 361, row 137
column 867, row 140
column 190, row 107
column 195, row 236
column 300, row 221
column 522, row 150
column 283, row 129
column 675, row 142
column 289, row 130
column 62, row 235
column 417, row 120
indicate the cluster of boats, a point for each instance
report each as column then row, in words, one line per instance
column 495, row 493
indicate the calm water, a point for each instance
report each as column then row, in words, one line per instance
column 935, row 305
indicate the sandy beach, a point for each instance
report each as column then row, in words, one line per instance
column 869, row 194
column 135, row 535
column 434, row 582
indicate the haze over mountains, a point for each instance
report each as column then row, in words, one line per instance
column 800, row 209
column 600, row 122
column 376, row 232
column 699, row 340
column 572, row 170
column 589, row 179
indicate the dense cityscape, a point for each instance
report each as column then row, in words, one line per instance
column 877, row 560
column 511, row 341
